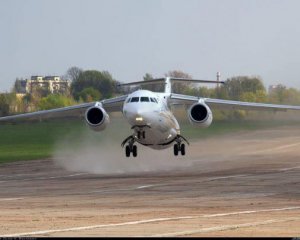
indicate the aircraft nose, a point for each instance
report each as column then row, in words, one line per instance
column 138, row 115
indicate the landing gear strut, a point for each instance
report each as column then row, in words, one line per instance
column 130, row 147
column 179, row 146
column 141, row 134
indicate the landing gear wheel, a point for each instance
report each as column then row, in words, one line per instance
column 127, row 151
column 176, row 149
column 182, row 149
column 134, row 150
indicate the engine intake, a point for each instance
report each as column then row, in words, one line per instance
column 200, row 115
column 96, row 118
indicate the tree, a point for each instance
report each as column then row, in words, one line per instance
column 89, row 95
column 292, row 96
column 283, row 95
column 241, row 88
column 19, row 86
column 148, row 77
column 101, row 81
column 236, row 86
column 155, row 87
column 200, row 92
column 7, row 103
column 276, row 95
column 73, row 73
column 55, row 101
column 261, row 96
column 4, row 104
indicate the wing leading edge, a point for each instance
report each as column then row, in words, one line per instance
column 179, row 99
column 110, row 105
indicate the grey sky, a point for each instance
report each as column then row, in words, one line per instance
column 131, row 37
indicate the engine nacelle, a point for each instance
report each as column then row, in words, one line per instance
column 96, row 118
column 200, row 115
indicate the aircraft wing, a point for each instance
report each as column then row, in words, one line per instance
column 110, row 105
column 179, row 99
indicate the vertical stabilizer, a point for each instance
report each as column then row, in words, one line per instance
column 168, row 87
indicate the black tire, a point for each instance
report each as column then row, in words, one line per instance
column 176, row 150
column 127, row 151
column 182, row 149
column 134, row 150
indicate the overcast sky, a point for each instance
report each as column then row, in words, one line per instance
column 129, row 38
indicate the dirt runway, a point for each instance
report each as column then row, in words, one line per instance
column 242, row 184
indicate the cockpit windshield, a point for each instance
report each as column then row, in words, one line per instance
column 144, row 99
column 135, row 99
column 153, row 100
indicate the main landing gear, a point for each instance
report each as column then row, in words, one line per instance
column 132, row 150
column 179, row 146
column 130, row 147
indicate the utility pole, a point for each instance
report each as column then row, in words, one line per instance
column 218, row 84
column 218, row 79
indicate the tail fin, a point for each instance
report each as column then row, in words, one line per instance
column 169, row 80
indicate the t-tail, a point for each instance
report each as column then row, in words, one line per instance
column 168, row 82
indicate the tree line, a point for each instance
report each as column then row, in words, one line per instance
column 94, row 85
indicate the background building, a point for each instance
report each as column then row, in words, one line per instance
column 49, row 84
column 277, row 87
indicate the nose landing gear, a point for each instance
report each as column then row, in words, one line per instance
column 130, row 148
column 141, row 134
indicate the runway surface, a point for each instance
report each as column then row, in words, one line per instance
column 243, row 184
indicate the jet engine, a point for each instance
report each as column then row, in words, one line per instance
column 200, row 115
column 96, row 118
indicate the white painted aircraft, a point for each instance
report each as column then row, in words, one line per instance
column 149, row 114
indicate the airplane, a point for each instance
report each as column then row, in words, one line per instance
column 149, row 114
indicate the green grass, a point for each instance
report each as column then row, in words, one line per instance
column 224, row 127
column 28, row 141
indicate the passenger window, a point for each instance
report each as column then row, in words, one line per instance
column 144, row 99
column 135, row 99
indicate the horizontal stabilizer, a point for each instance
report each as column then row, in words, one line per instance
column 168, row 80
column 163, row 80
column 157, row 80
column 195, row 80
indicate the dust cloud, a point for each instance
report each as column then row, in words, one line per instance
column 84, row 150
column 101, row 153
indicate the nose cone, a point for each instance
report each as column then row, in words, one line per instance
column 137, row 115
column 140, row 117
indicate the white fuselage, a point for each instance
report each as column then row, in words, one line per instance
column 148, row 112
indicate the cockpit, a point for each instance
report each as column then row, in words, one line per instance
column 142, row 99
